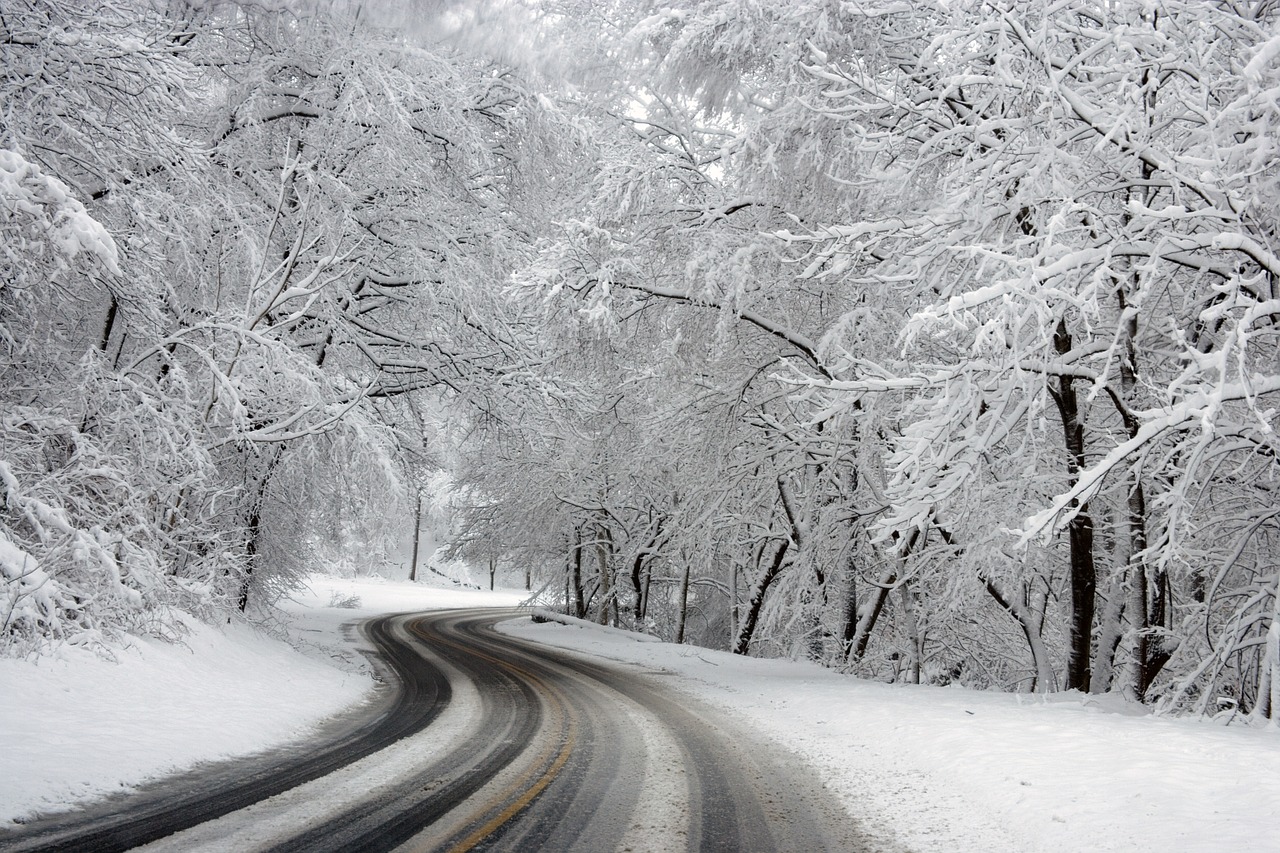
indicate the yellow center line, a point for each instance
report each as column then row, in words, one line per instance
column 561, row 709
column 483, row 832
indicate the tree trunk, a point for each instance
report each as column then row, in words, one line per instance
column 1148, row 601
column 640, row 571
column 579, row 604
column 869, row 614
column 644, row 591
column 417, row 535
column 910, row 606
column 743, row 643
column 684, row 601
column 109, row 324
column 1268, row 707
column 849, row 628
column 1045, row 680
column 1082, row 573
column 637, row 589
column 608, row 595
column 857, row 536
column 734, row 608
column 1110, row 631
column 253, row 523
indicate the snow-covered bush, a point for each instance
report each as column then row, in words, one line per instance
column 343, row 601
column 95, row 540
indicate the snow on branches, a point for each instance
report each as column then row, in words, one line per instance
column 1091, row 279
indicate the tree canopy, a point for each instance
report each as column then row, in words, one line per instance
column 932, row 341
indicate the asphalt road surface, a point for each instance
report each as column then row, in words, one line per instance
column 484, row 742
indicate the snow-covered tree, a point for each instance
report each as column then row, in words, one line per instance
column 1078, row 206
column 236, row 237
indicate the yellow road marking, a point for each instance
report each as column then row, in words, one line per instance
column 511, row 810
column 548, row 776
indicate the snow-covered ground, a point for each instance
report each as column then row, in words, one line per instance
column 928, row 769
column 76, row 727
column 948, row 769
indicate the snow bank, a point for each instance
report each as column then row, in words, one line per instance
column 76, row 727
column 946, row 769
column 923, row 768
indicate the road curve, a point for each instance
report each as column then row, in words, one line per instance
column 489, row 743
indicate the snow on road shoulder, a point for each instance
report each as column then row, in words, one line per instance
column 75, row 727
column 78, row 727
column 931, row 769
column 945, row 769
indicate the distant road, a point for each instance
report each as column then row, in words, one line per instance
column 485, row 743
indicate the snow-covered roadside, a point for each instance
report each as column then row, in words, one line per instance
column 942, row 769
column 928, row 769
column 76, row 727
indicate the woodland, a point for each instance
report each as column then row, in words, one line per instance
column 937, row 341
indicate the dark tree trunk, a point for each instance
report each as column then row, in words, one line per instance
column 640, row 570
column 579, row 602
column 683, row 612
column 1082, row 573
column 109, row 324
column 637, row 588
column 644, row 592
column 866, row 621
column 748, row 629
column 849, row 628
column 734, row 608
column 251, row 552
column 253, row 523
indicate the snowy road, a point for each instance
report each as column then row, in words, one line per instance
column 490, row 743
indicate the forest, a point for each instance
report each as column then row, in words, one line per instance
column 937, row 341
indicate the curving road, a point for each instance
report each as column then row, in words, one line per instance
column 488, row 743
